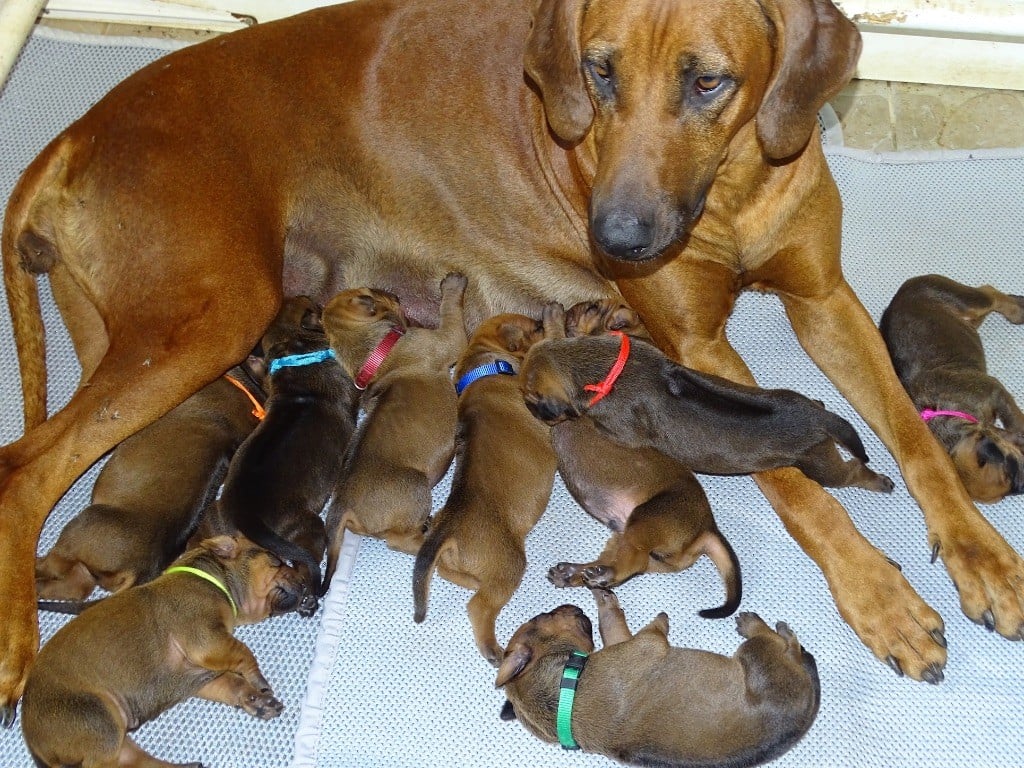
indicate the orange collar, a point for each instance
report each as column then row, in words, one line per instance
column 604, row 387
column 257, row 409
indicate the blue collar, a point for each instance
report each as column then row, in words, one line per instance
column 291, row 361
column 489, row 369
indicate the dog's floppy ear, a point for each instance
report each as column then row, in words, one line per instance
column 515, row 661
column 624, row 319
column 551, row 410
column 552, row 61
column 224, row 547
column 816, row 52
column 513, row 338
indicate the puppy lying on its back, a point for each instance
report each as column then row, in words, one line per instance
column 639, row 398
column 931, row 331
column 406, row 440
column 504, row 470
column 659, row 514
column 643, row 702
column 132, row 655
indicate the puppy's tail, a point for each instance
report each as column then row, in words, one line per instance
column 74, row 607
column 29, row 248
column 423, row 568
column 842, row 431
column 718, row 548
column 266, row 537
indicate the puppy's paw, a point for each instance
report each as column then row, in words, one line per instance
column 566, row 575
column 599, row 576
column 749, row 624
column 454, row 282
column 263, row 705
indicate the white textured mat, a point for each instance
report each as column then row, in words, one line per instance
column 384, row 691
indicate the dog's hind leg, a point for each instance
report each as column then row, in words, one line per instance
column 824, row 464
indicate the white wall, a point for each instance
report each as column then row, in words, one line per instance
column 955, row 42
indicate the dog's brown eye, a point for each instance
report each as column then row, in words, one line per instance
column 708, row 83
column 601, row 70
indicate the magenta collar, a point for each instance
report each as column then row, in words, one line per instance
column 929, row 413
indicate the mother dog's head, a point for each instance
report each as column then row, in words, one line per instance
column 664, row 86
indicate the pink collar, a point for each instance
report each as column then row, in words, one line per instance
column 377, row 357
column 928, row 414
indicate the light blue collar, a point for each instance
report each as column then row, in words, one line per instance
column 292, row 361
column 488, row 369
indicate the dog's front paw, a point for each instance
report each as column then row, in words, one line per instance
column 263, row 705
column 454, row 282
column 599, row 576
column 989, row 576
column 566, row 575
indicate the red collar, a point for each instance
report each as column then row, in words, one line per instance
column 377, row 356
column 604, row 387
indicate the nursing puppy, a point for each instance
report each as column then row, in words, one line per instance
column 150, row 494
column 643, row 702
column 283, row 474
column 504, row 470
column 406, row 440
column 707, row 423
column 134, row 654
column 931, row 331
column 659, row 514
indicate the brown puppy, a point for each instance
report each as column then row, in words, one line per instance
column 707, row 423
column 643, row 702
column 536, row 187
column 283, row 474
column 931, row 331
column 132, row 655
column 149, row 495
column 659, row 514
column 504, row 470
column 406, row 440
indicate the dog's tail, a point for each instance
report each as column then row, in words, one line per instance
column 266, row 537
column 423, row 568
column 29, row 248
column 718, row 548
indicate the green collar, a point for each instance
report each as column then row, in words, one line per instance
column 566, row 697
column 208, row 577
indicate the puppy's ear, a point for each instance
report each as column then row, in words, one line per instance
column 224, row 547
column 552, row 60
column 553, row 321
column 512, row 337
column 989, row 452
column 817, row 49
column 312, row 320
column 515, row 661
column 256, row 364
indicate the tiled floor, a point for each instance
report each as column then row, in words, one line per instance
column 876, row 115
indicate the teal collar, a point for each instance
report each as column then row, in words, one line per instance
column 566, row 697
column 310, row 358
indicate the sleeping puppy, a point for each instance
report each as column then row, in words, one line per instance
column 643, row 702
column 282, row 476
column 640, row 398
column 930, row 329
column 504, row 470
column 657, row 510
column 150, row 494
column 134, row 654
column 406, row 440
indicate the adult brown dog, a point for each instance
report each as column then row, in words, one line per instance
column 660, row 517
column 931, row 331
column 406, row 439
column 504, row 470
column 678, row 172
column 134, row 654
column 149, row 496
column 643, row 702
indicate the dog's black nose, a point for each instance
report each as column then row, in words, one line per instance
column 624, row 235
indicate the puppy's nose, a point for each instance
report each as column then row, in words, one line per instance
column 624, row 234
